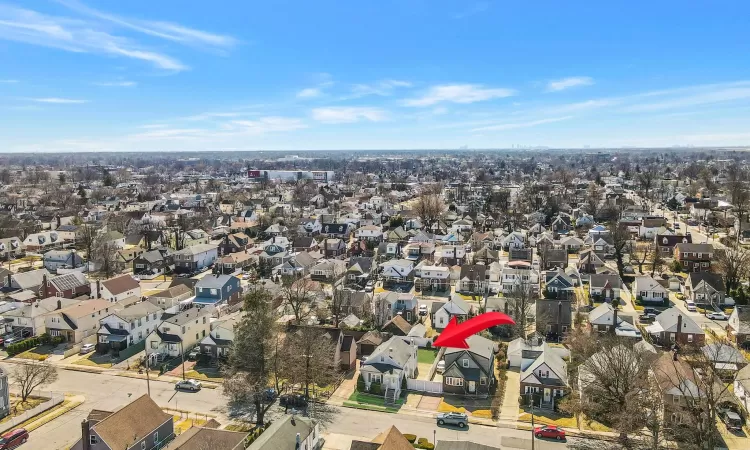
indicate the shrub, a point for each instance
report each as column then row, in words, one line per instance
column 376, row 389
column 429, row 446
column 422, row 441
column 411, row 438
column 361, row 384
column 429, row 345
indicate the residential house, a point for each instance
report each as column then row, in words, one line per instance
column 570, row 243
column 673, row 326
column 11, row 248
column 304, row 244
column 470, row 371
column 680, row 389
column 234, row 262
column 359, row 269
column 369, row 342
column 387, row 366
column 30, row 280
column 357, row 303
column 397, row 271
column 473, row 279
column 139, row 425
column 297, row 266
column 172, row 298
column 551, row 258
column 334, row 248
column 705, row 289
column 337, row 230
column 666, row 242
column 553, row 318
column 521, row 254
column 69, row 285
column 179, row 333
column 195, row 237
column 61, row 259
column 389, row 304
column 327, row 269
column 434, row 278
column 199, row 438
column 512, row 279
column 27, row 319
column 650, row 226
column 195, row 258
column 589, row 261
column 220, row 339
column 561, row 224
column 117, row 288
column 153, row 263
column 443, row 312
column 79, row 320
column 40, row 242
column 309, row 227
column 694, row 257
column 605, row 286
column 4, row 394
column 725, row 358
column 397, row 326
column 372, row 233
column 344, row 350
column 512, row 240
column 558, row 285
column 233, row 243
column 606, row 319
column 214, row 290
column 647, row 289
column 290, row 432
column 128, row 326
column 544, row 377
column 742, row 387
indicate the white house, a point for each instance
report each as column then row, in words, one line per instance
column 649, row 290
column 388, row 365
column 128, row 326
column 179, row 333
column 397, row 270
column 116, row 289
column 513, row 240
column 369, row 233
column 513, row 278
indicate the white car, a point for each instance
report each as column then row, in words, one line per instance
column 690, row 306
column 717, row 315
column 441, row 366
column 87, row 348
column 422, row 310
column 188, row 385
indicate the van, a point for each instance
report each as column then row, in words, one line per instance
column 690, row 305
column 13, row 439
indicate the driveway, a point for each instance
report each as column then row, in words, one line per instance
column 717, row 326
column 509, row 409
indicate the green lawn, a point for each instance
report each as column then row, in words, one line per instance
column 369, row 399
column 426, row 356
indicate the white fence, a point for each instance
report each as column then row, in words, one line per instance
column 432, row 387
column 54, row 400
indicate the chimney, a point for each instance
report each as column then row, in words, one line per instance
column 59, row 304
column 559, row 320
column 10, row 280
column 98, row 289
column 85, row 435
column 679, row 329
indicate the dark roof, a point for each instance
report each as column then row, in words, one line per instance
column 168, row 337
column 672, row 240
column 120, row 284
column 69, row 281
column 201, row 438
column 131, row 423
column 189, row 282
column 303, row 242
column 152, row 256
column 712, row 279
column 347, row 342
column 548, row 311
column 556, row 254
column 474, row 272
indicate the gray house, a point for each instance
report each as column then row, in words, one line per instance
column 140, row 425
column 4, row 394
column 470, row 371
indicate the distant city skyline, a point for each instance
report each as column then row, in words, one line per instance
column 391, row 75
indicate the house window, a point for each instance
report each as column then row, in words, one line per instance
column 483, row 381
column 675, row 399
column 156, row 437
column 93, row 439
column 465, row 362
column 690, row 338
column 214, row 291
column 143, row 445
column 183, row 330
column 154, row 345
column 671, row 337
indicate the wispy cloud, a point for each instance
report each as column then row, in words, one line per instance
column 117, row 84
column 513, row 126
column 73, row 35
column 474, row 9
column 382, row 88
column 153, row 126
column 334, row 115
column 567, row 83
column 696, row 98
column 271, row 124
column 8, row 81
column 211, row 116
column 309, row 93
column 459, row 93
column 164, row 30
column 58, row 100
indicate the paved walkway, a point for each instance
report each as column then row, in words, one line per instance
column 345, row 389
column 509, row 409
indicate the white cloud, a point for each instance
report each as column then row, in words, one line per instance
column 8, row 81
column 459, row 93
column 212, row 115
column 58, row 100
column 269, row 125
column 381, row 88
column 693, row 99
column 513, row 126
column 164, row 30
column 348, row 114
column 73, row 35
column 117, row 84
column 309, row 93
column 152, row 126
column 567, row 83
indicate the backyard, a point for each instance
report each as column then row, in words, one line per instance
column 426, row 355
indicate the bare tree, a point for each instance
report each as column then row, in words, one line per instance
column 620, row 243
column 251, row 357
column 733, row 262
column 340, row 299
column 593, row 199
column 310, row 353
column 298, row 296
column 429, row 207
column 105, row 256
column 30, row 376
column 656, row 259
column 646, row 181
column 86, row 239
column 639, row 253
column 521, row 305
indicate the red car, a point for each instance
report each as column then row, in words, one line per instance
column 550, row 431
column 13, row 439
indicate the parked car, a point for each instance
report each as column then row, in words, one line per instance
column 680, row 296
column 717, row 315
column 13, row 439
column 650, row 310
column 188, row 385
column 10, row 339
column 293, row 401
column 550, row 431
column 646, row 317
column 271, row 394
column 440, row 366
column 193, row 355
column 369, row 286
column 452, row 418
column 423, row 310
column 87, row 348
column 690, row 305
column 732, row 420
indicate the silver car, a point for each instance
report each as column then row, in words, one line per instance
column 452, row 418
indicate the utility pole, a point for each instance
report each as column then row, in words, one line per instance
column 532, row 420
column 148, row 380
column 182, row 358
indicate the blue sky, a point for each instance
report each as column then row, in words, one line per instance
column 173, row 75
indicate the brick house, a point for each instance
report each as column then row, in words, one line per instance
column 694, row 257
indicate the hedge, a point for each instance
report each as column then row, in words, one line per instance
column 411, row 438
column 26, row 344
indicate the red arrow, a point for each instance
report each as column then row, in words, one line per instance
column 455, row 334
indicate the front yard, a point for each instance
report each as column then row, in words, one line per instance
column 362, row 400
column 17, row 408
column 545, row 417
